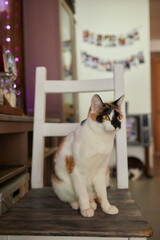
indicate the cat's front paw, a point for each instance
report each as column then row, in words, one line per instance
column 74, row 205
column 93, row 205
column 87, row 212
column 111, row 210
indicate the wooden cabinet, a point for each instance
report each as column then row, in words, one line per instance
column 15, row 158
column 49, row 41
column 16, row 133
column 15, row 145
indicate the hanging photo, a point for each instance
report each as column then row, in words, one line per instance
column 107, row 65
column 85, row 36
column 99, row 40
column 111, row 40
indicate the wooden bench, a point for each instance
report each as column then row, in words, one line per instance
column 41, row 213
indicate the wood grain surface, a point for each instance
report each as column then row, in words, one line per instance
column 41, row 213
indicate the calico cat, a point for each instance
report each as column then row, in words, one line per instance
column 80, row 168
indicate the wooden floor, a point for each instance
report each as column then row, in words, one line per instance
column 41, row 213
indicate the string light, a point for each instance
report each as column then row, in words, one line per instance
column 16, row 59
column 8, row 39
column 7, row 27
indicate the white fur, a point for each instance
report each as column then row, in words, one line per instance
column 90, row 145
column 137, row 173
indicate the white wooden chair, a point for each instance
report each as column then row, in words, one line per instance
column 40, row 215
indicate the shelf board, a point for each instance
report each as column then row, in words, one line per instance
column 49, row 151
column 7, row 172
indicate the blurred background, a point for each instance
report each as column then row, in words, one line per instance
column 82, row 39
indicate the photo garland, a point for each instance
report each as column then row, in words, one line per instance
column 107, row 65
column 111, row 40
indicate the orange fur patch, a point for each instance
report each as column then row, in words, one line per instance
column 93, row 116
column 56, row 180
column 69, row 164
column 115, row 108
column 107, row 171
column 99, row 200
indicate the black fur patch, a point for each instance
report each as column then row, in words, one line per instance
column 83, row 122
column 115, row 122
column 106, row 111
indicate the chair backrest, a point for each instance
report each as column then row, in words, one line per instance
column 43, row 129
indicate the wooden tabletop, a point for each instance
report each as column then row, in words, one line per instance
column 41, row 213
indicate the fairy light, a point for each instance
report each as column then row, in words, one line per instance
column 4, row 6
column 8, row 16
column 8, row 39
column 16, row 59
column 8, row 27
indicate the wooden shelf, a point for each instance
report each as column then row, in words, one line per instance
column 7, row 109
column 49, row 151
column 8, row 172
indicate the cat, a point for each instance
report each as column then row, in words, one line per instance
column 135, row 169
column 80, row 167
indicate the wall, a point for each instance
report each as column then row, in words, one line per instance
column 42, row 48
column 116, row 17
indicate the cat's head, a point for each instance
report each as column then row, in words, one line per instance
column 107, row 116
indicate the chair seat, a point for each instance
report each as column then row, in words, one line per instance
column 41, row 213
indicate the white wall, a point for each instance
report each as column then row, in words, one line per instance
column 115, row 17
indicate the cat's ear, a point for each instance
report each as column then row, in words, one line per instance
column 119, row 101
column 96, row 103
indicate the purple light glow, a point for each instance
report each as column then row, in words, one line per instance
column 17, row 59
column 8, row 51
column 8, row 39
column 6, row 3
column 7, row 27
column 3, row 6
column 8, row 16
column 19, row 93
column 14, row 86
column 16, row 48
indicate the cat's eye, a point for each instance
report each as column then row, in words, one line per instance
column 105, row 117
column 119, row 117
